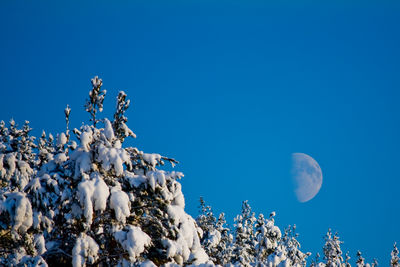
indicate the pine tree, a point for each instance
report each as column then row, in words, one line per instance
column 332, row 251
column 360, row 260
column 292, row 246
column 245, row 243
column 216, row 238
column 85, row 199
column 394, row 260
column 268, row 237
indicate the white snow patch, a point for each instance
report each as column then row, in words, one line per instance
column 61, row 139
column 119, row 201
column 108, row 130
column 135, row 180
column 20, row 210
column 134, row 241
column 85, row 250
column 93, row 191
column 152, row 159
column 39, row 243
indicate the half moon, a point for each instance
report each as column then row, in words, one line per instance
column 306, row 176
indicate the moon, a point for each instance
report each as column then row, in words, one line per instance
column 306, row 176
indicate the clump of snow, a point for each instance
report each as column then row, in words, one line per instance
column 24, row 173
column 39, row 244
column 152, row 158
column 113, row 157
column 135, row 180
column 10, row 160
column 127, row 131
column 119, row 202
column 82, row 160
column 187, row 244
column 86, row 138
column 133, row 240
column 94, row 191
column 61, row 139
column 19, row 208
column 108, row 130
column 85, row 251
column 60, row 158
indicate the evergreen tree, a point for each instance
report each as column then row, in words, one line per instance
column 268, row 237
column 294, row 255
column 216, row 238
column 361, row 261
column 332, row 251
column 91, row 201
column 245, row 243
column 394, row 260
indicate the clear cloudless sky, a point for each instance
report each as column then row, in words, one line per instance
column 231, row 89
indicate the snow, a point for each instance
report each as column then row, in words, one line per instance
column 10, row 160
column 61, row 139
column 134, row 180
column 96, row 82
column 85, row 250
column 108, row 130
column 214, row 238
column 93, row 191
column 82, row 161
column 39, row 243
column 23, row 174
column 152, row 159
column 86, row 138
column 187, row 244
column 147, row 263
column 133, row 240
column 113, row 157
column 19, row 208
column 120, row 203
column 127, row 131
column 60, row 158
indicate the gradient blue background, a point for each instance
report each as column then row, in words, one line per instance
column 231, row 89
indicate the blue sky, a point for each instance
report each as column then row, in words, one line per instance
column 231, row 89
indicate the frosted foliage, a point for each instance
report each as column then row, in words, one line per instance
column 61, row 139
column 152, row 159
column 332, row 250
column 93, row 194
column 111, row 157
column 187, row 244
column 120, row 203
column 82, row 161
column 395, row 260
column 84, row 251
column 20, row 211
column 40, row 244
column 108, row 130
column 133, row 240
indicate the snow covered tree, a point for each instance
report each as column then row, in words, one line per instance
column 216, row 238
column 89, row 200
column 292, row 246
column 394, row 260
column 332, row 251
column 245, row 243
column 360, row 260
column 267, row 235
